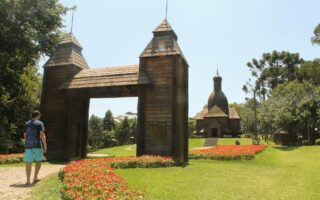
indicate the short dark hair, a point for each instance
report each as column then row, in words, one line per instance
column 35, row 113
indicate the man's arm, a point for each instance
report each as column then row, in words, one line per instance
column 44, row 141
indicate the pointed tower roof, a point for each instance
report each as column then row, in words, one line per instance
column 164, row 42
column 68, row 52
column 164, row 28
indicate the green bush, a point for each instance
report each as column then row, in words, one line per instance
column 305, row 142
column 317, row 142
column 246, row 135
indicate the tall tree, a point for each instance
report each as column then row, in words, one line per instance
column 108, row 121
column 95, row 136
column 133, row 130
column 95, row 123
column 28, row 29
column 294, row 107
column 273, row 69
column 123, row 131
column 310, row 71
column 316, row 37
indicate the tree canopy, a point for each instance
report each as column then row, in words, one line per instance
column 316, row 37
column 28, row 29
column 108, row 121
column 271, row 70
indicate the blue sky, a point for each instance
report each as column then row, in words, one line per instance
column 211, row 33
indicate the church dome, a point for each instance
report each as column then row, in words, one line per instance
column 217, row 97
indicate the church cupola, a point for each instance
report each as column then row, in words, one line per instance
column 217, row 82
column 217, row 97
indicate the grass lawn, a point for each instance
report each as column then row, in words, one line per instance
column 277, row 173
column 243, row 141
column 130, row 150
column 195, row 142
column 47, row 189
column 126, row 150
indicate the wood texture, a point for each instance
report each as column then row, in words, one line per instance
column 160, row 81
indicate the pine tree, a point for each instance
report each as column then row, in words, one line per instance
column 108, row 121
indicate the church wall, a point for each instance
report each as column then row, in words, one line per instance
column 199, row 125
column 234, row 125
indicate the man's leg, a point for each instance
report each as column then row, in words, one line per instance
column 28, row 157
column 38, row 156
column 36, row 172
column 28, row 171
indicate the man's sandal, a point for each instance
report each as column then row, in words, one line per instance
column 36, row 181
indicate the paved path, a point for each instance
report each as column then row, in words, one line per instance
column 12, row 181
column 97, row 155
column 209, row 142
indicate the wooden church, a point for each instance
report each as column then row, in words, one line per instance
column 217, row 119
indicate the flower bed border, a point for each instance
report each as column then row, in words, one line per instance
column 228, row 152
column 95, row 178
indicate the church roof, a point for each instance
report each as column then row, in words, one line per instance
column 164, row 42
column 201, row 114
column 215, row 111
column 233, row 114
column 68, row 52
column 107, row 77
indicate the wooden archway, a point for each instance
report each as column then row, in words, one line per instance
column 160, row 82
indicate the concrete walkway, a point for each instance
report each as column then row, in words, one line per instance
column 97, row 155
column 12, row 181
column 209, row 142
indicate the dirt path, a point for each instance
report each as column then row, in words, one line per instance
column 12, row 181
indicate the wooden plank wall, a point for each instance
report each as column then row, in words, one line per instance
column 180, row 112
column 157, row 108
column 54, row 109
column 163, row 108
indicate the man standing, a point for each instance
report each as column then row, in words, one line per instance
column 34, row 149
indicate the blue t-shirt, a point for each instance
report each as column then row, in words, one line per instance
column 33, row 128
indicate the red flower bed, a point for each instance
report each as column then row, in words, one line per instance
column 228, row 152
column 142, row 162
column 95, row 178
column 11, row 158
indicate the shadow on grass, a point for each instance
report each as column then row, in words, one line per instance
column 287, row 148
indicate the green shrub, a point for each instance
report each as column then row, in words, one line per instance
column 305, row 142
column 317, row 142
column 246, row 135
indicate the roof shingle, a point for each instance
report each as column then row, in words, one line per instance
column 107, row 77
column 68, row 52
